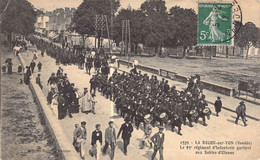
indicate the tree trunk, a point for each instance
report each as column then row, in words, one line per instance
column 247, row 52
column 233, row 50
column 184, row 53
column 226, row 51
column 136, row 45
column 98, row 42
column 95, row 42
column 83, row 41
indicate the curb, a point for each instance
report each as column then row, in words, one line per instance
column 63, row 146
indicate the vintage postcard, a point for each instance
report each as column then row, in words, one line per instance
column 130, row 79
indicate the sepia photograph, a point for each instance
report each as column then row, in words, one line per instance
column 130, row 79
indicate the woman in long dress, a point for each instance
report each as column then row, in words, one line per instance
column 212, row 21
column 10, row 68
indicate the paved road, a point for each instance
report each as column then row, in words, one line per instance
column 219, row 128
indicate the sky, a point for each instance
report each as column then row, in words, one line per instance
column 250, row 8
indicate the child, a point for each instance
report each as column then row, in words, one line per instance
column 20, row 68
column 4, row 68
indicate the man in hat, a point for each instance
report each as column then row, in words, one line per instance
column 61, row 104
column 110, row 139
column 96, row 141
column 218, row 105
column 39, row 65
column 158, row 140
column 52, row 79
column 241, row 112
column 74, row 143
column 81, row 135
column 32, row 65
column 38, row 81
column 127, row 129
column 93, row 85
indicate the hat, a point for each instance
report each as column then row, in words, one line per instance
column 85, row 88
column 161, row 127
column 127, row 119
column 218, row 97
column 110, row 122
column 242, row 102
column 83, row 123
column 53, row 73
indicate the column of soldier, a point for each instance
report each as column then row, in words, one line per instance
column 143, row 98
column 65, row 56
column 139, row 96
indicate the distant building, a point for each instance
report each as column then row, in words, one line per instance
column 57, row 20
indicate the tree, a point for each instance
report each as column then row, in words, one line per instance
column 83, row 20
column 247, row 36
column 136, row 18
column 182, row 27
column 155, row 23
column 19, row 17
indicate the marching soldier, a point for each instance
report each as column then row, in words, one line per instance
column 201, row 106
column 187, row 106
column 147, row 133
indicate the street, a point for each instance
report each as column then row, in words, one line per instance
column 220, row 128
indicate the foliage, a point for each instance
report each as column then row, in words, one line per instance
column 83, row 20
column 247, row 36
column 182, row 27
column 155, row 22
column 18, row 18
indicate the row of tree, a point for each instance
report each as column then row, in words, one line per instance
column 151, row 25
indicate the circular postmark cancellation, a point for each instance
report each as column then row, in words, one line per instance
column 218, row 22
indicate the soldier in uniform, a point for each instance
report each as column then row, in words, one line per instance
column 187, row 107
column 201, row 106
column 176, row 117
column 147, row 133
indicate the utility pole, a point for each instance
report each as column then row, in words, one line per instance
column 126, row 40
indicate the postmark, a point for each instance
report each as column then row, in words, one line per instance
column 218, row 23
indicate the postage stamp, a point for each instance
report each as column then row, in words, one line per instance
column 215, row 24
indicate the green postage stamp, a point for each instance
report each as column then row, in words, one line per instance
column 215, row 24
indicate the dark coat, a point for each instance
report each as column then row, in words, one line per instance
column 218, row 105
column 157, row 140
column 241, row 110
column 96, row 136
column 127, row 131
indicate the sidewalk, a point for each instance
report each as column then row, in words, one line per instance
column 229, row 103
